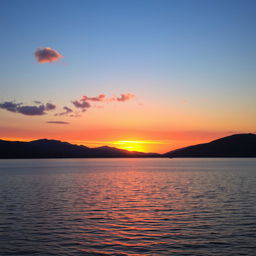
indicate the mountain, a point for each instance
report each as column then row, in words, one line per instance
column 238, row 145
column 45, row 148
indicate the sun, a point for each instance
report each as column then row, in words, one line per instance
column 131, row 145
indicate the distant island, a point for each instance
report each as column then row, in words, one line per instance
column 238, row 145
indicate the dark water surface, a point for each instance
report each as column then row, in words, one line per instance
column 128, row 207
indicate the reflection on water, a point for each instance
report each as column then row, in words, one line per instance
column 128, row 207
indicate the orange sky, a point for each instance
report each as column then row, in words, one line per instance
column 144, row 127
column 153, row 76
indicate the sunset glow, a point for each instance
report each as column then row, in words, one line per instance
column 127, row 127
column 173, row 75
column 134, row 145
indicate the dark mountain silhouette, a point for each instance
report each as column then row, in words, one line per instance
column 238, row 145
column 45, row 148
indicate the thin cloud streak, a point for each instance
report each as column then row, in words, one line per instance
column 57, row 122
column 100, row 97
column 66, row 111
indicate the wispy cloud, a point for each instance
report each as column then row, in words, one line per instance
column 100, row 97
column 84, row 102
column 66, row 111
column 57, row 122
column 37, row 110
column 44, row 55
column 125, row 97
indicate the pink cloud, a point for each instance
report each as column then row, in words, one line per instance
column 103, row 97
column 84, row 103
column 125, row 97
column 46, row 55
column 100, row 97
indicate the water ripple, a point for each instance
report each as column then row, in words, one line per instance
column 131, row 207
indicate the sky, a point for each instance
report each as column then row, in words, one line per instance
column 148, row 75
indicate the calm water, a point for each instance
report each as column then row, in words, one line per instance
column 128, row 207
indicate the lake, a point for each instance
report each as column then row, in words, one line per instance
column 128, row 207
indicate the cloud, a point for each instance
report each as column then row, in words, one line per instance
column 84, row 103
column 75, row 115
column 57, row 122
column 103, row 97
column 49, row 106
column 27, row 110
column 31, row 110
column 125, row 97
column 66, row 112
column 10, row 106
column 81, row 104
column 44, row 55
column 100, row 97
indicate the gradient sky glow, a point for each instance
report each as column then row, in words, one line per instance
column 190, row 64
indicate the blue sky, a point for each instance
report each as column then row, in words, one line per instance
column 163, row 51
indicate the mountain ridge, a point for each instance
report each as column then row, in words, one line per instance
column 236, row 145
column 45, row 148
